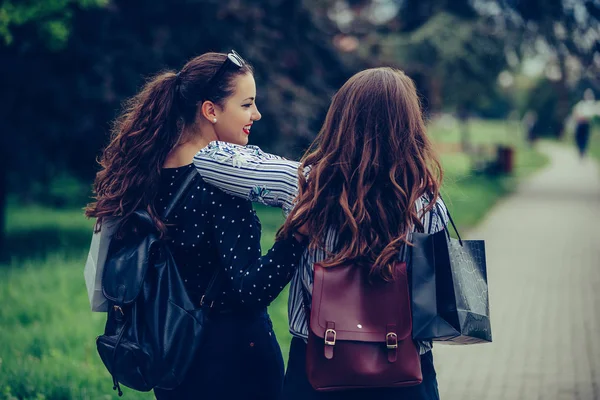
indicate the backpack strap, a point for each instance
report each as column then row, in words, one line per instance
column 183, row 189
column 450, row 219
column 179, row 195
column 208, row 294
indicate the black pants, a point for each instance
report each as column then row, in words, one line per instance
column 240, row 359
column 582, row 137
column 296, row 385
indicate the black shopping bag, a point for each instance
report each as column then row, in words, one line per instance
column 449, row 290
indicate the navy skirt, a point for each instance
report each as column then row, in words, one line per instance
column 240, row 359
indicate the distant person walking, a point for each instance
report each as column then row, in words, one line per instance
column 583, row 112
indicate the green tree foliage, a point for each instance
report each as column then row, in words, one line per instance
column 26, row 28
column 50, row 19
column 67, row 65
column 568, row 30
column 64, row 100
column 58, row 103
column 414, row 14
column 446, row 46
column 460, row 58
column 568, row 27
column 544, row 99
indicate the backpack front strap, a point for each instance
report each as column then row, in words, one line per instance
column 330, row 336
column 391, row 342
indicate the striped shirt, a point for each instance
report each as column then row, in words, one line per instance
column 248, row 172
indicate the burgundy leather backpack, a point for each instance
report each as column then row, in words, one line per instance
column 360, row 331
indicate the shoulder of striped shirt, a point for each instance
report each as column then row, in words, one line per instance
column 222, row 154
column 232, row 149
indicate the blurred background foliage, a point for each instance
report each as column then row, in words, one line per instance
column 489, row 72
column 67, row 65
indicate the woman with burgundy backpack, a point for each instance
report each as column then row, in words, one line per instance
column 370, row 179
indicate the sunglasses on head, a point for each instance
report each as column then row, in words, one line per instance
column 233, row 59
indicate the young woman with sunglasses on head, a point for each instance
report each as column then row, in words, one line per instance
column 175, row 115
column 370, row 178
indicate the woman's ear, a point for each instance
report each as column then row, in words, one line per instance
column 208, row 109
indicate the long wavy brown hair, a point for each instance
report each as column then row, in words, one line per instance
column 368, row 166
column 148, row 128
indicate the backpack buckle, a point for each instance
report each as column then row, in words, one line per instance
column 391, row 340
column 212, row 303
column 330, row 336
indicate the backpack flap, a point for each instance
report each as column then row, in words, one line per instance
column 346, row 307
column 127, row 261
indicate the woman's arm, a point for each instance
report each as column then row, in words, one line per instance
column 249, row 173
column 255, row 280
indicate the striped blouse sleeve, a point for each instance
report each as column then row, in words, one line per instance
column 434, row 220
column 249, row 173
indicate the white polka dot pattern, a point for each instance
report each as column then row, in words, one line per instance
column 208, row 215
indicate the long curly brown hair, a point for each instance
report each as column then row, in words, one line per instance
column 368, row 166
column 150, row 125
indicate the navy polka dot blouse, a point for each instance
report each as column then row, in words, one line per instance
column 211, row 229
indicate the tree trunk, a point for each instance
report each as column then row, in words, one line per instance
column 3, row 196
column 465, row 138
column 435, row 94
column 462, row 113
column 562, row 106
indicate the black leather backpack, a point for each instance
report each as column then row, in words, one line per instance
column 153, row 329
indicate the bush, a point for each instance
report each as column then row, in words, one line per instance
column 544, row 100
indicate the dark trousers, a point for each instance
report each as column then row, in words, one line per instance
column 240, row 359
column 296, row 385
column 582, row 137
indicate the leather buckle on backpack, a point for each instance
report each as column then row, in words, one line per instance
column 391, row 340
column 330, row 341
column 119, row 309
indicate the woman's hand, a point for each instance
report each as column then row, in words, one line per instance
column 301, row 234
column 303, row 230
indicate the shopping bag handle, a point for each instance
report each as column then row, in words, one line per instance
column 451, row 221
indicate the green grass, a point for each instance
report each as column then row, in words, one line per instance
column 47, row 340
column 481, row 132
column 47, row 333
column 469, row 195
column 35, row 231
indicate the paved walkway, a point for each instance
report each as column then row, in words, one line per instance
column 543, row 253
